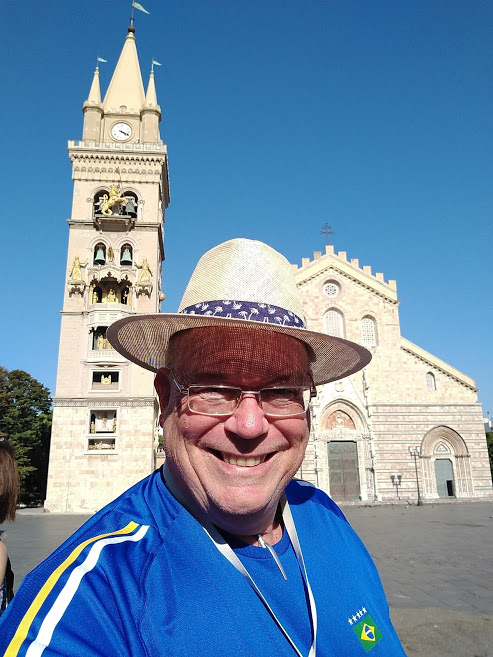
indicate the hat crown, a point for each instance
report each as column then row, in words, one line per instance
column 243, row 270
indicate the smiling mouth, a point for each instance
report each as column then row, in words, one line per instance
column 242, row 461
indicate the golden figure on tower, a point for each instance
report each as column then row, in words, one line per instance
column 146, row 273
column 114, row 198
column 75, row 272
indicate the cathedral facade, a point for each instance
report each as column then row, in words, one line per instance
column 408, row 426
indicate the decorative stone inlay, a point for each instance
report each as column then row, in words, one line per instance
column 442, row 448
column 339, row 419
column 98, row 317
column 101, row 403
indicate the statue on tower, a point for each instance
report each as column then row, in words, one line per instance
column 75, row 271
column 144, row 284
column 109, row 202
column 146, row 273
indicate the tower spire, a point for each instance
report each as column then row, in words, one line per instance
column 151, row 113
column 126, row 88
column 95, row 90
column 93, row 111
column 151, row 98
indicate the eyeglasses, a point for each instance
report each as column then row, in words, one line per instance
column 224, row 400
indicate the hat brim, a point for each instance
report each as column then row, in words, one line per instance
column 144, row 339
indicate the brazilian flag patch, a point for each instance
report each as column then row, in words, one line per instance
column 368, row 633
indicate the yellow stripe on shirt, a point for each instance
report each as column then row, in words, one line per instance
column 29, row 616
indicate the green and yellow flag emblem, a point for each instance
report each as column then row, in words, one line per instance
column 368, row 633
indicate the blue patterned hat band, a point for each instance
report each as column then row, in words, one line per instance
column 249, row 310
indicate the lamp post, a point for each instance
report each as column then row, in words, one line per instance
column 415, row 452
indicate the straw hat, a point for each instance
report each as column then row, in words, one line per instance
column 238, row 283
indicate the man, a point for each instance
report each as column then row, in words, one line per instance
column 220, row 552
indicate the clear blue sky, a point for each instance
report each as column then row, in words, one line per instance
column 375, row 116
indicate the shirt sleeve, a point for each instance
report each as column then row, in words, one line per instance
column 69, row 605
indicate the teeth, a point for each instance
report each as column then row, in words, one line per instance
column 248, row 462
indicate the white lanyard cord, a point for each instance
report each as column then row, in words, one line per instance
column 226, row 550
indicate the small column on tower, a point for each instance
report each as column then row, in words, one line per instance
column 150, row 114
column 93, row 111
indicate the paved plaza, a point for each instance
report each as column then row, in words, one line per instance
column 436, row 563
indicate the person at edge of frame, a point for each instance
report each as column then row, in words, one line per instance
column 9, row 489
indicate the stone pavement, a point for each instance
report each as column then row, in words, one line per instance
column 436, row 564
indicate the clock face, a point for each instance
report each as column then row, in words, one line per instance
column 121, row 131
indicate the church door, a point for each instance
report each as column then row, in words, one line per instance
column 444, row 474
column 343, row 470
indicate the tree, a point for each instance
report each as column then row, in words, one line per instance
column 489, row 442
column 25, row 421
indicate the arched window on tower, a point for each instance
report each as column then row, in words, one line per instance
column 126, row 255
column 125, row 297
column 100, row 254
column 130, row 206
column 368, row 332
column 96, row 294
column 99, row 198
column 430, row 381
column 334, row 323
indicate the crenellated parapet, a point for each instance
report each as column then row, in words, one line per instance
column 320, row 262
column 115, row 147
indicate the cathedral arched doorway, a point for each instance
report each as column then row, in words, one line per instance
column 444, row 477
column 343, row 454
column 342, row 458
column 446, row 464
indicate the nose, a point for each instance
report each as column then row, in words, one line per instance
column 248, row 421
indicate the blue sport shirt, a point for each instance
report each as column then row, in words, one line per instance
column 142, row 578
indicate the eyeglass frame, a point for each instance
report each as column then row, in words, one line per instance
column 186, row 391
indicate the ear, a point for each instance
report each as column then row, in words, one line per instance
column 163, row 389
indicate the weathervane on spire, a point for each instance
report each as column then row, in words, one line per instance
column 136, row 5
column 153, row 64
column 100, row 59
column 327, row 230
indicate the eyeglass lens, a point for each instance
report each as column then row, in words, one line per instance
column 224, row 401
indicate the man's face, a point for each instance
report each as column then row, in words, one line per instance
column 203, row 452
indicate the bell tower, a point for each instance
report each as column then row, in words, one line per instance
column 105, row 415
